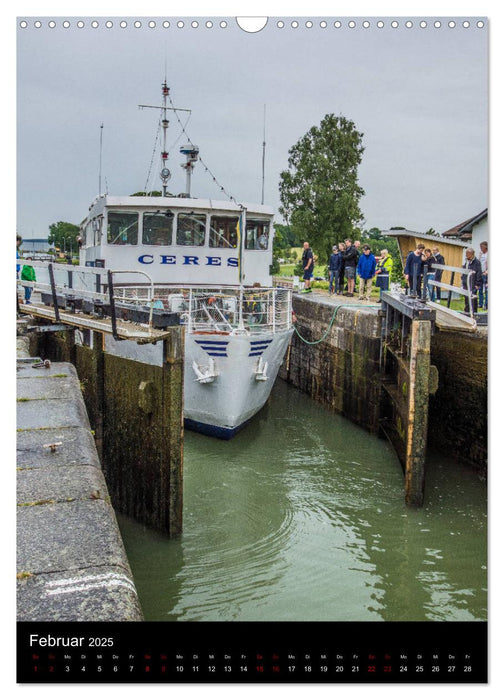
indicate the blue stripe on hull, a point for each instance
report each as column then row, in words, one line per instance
column 213, row 430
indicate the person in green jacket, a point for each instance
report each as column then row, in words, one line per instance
column 383, row 271
column 28, row 274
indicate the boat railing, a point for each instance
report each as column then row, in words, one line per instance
column 225, row 310
column 84, row 282
column 89, row 290
column 212, row 309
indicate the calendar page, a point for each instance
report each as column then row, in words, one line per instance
column 252, row 362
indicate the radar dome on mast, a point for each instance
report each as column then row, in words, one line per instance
column 190, row 151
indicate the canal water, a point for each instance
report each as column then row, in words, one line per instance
column 301, row 517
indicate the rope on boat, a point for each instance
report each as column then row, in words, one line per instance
column 316, row 342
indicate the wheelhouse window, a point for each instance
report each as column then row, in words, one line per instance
column 191, row 229
column 256, row 234
column 91, row 234
column 157, row 228
column 223, row 232
column 122, row 228
column 96, row 227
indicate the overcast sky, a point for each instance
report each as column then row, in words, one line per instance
column 419, row 96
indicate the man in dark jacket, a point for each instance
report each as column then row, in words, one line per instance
column 308, row 265
column 413, row 270
column 350, row 259
column 475, row 280
column 334, row 267
column 438, row 274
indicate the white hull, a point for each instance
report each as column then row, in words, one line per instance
column 235, row 342
column 243, row 369
column 239, row 389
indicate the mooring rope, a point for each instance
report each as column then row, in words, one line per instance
column 316, row 342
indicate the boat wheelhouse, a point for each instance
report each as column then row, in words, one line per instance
column 179, row 240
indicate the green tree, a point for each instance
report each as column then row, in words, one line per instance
column 372, row 233
column 63, row 235
column 319, row 191
column 285, row 237
column 282, row 242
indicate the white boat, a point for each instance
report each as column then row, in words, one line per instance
column 209, row 261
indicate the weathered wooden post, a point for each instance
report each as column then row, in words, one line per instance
column 173, row 353
column 95, row 404
column 407, row 381
column 418, row 411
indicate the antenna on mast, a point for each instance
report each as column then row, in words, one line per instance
column 263, row 153
column 165, row 174
column 100, row 169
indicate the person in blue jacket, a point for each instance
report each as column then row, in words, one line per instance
column 366, row 269
column 334, row 269
column 18, row 243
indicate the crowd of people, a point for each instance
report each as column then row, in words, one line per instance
column 477, row 283
column 350, row 261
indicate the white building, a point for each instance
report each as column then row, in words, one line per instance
column 472, row 231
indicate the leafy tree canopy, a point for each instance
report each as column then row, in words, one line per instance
column 319, row 191
column 285, row 237
column 63, row 235
column 372, row 233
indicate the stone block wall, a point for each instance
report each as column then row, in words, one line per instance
column 342, row 371
column 458, row 412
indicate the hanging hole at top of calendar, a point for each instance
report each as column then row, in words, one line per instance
column 251, row 24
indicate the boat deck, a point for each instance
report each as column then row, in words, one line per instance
column 125, row 330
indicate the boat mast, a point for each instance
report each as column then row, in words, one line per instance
column 263, row 153
column 100, row 168
column 165, row 174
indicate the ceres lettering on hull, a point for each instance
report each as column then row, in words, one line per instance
column 211, row 260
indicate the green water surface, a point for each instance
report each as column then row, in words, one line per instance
column 301, row 516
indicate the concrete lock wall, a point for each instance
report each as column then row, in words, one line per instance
column 71, row 563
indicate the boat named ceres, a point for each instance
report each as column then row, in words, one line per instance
column 208, row 261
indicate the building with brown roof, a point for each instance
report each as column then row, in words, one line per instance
column 472, row 231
